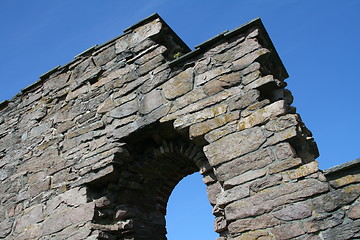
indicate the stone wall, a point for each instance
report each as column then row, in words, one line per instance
column 94, row 148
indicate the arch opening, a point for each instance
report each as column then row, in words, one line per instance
column 189, row 212
column 133, row 203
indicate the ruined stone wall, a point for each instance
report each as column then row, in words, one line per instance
column 94, row 148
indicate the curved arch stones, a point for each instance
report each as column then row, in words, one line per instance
column 94, row 148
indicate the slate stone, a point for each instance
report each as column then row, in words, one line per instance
column 246, row 60
column 324, row 222
column 238, row 166
column 179, row 85
column 266, row 182
column 335, row 199
column 249, row 224
column 346, row 231
column 265, row 201
column 243, row 178
column 59, row 220
column 288, row 231
column 234, row 145
column 199, row 116
column 151, row 101
column 262, row 115
column 5, row 227
column 201, row 79
column 354, row 212
column 293, row 212
column 233, row 194
column 125, row 110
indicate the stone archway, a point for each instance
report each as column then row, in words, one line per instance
column 132, row 202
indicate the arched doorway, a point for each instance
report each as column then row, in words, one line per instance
column 156, row 159
column 189, row 212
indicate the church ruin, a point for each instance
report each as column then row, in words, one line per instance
column 94, row 148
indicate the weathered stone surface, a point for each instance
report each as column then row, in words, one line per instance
column 266, row 182
column 347, row 231
column 106, row 106
column 293, row 212
column 284, row 165
column 284, row 135
column 179, row 85
column 221, row 83
column 209, row 75
column 5, row 227
column 252, row 161
column 264, row 201
column 262, row 115
column 233, row 194
column 234, row 145
column 243, row 178
column 141, row 33
column 282, row 123
column 74, row 198
column 324, row 222
column 344, row 181
column 253, row 67
column 256, row 234
column 335, row 199
column 284, row 151
column 354, row 212
column 59, row 220
column 245, row 100
column 125, row 110
column 213, row 192
column 303, row 170
column 202, row 128
column 31, row 216
column 199, row 105
column 199, row 116
column 246, row 60
column 220, row 132
column 220, row 224
column 149, row 66
column 288, row 231
column 190, row 97
column 260, row 82
column 151, row 101
column 264, row 221
column 31, row 232
column 251, row 77
column 86, row 129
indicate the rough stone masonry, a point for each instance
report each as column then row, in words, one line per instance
column 94, row 148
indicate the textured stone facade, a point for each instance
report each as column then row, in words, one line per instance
column 94, row 148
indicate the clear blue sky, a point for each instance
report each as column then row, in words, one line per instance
column 318, row 41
